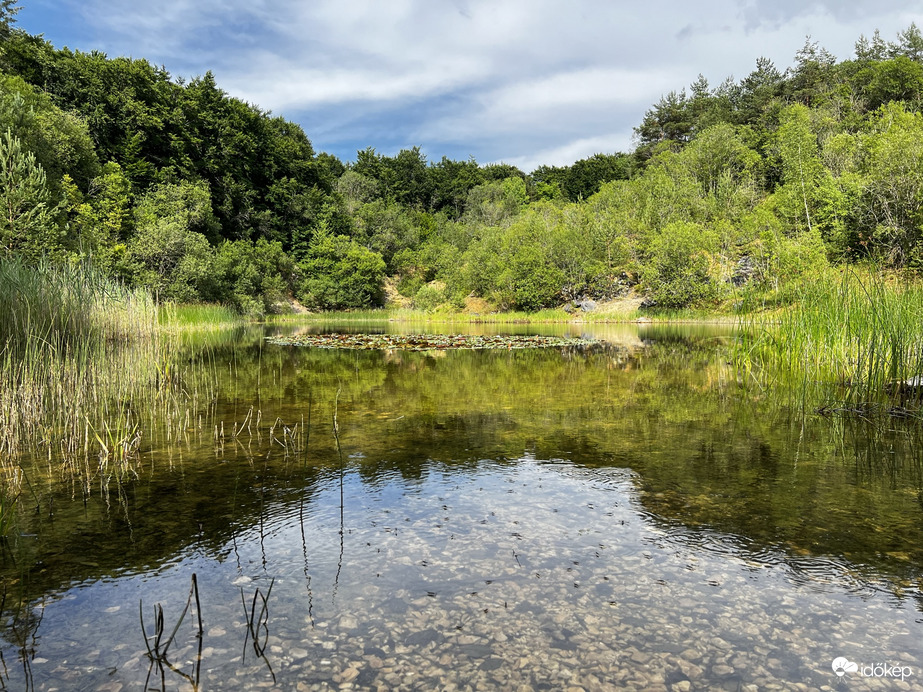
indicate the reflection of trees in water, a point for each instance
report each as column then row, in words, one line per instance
column 709, row 453
column 817, row 489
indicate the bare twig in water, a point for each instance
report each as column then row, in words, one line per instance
column 157, row 652
column 258, row 625
column 336, row 436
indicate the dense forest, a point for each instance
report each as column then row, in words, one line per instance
column 731, row 192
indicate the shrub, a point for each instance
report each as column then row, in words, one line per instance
column 429, row 297
column 678, row 271
column 341, row 274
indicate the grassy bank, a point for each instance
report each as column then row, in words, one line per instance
column 197, row 316
column 853, row 341
column 546, row 316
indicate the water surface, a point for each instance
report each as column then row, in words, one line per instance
column 633, row 515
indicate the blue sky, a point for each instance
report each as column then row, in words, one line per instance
column 526, row 82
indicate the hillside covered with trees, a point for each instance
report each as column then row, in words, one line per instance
column 732, row 191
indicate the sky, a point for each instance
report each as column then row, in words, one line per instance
column 524, row 82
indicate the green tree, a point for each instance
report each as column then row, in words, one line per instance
column 760, row 92
column 677, row 273
column 615, row 231
column 356, row 189
column 254, row 277
column 99, row 223
column 60, row 141
column 386, row 228
column 898, row 79
column 811, row 80
column 29, row 228
column 169, row 252
column 406, row 178
column 802, row 170
column 452, row 181
column 8, row 11
column 338, row 273
column 668, row 124
column 892, row 204
column 494, row 203
column 586, row 176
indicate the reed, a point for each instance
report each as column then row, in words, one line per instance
column 61, row 307
column 257, row 618
column 83, row 369
column 157, row 648
column 853, row 342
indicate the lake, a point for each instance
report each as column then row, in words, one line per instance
column 632, row 513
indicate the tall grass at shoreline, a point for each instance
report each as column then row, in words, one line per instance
column 853, row 341
column 198, row 316
column 84, row 368
column 62, row 307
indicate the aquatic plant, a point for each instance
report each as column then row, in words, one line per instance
column 854, row 342
column 82, row 364
column 197, row 316
column 427, row 342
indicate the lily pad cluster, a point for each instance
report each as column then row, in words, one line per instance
column 426, row 342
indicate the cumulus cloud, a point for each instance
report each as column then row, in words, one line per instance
column 778, row 12
column 513, row 80
column 565, row 154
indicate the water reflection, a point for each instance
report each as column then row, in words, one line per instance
column 621, row 517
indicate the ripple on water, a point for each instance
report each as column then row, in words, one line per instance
column 511, row 575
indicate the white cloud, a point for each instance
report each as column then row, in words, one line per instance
column 493, row 79
column 565, row 154
column 278, row 84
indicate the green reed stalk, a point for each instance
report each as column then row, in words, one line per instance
column 852, row 340
column 82, row 364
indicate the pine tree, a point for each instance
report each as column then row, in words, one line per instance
column 28, row 227
column 8, row 11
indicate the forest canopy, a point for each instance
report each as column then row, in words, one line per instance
column 734, row 190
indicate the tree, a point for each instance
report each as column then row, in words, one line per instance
column 28, row 225
column 677, row 273
column 340, row 274
column 493, row 203
column 99, row 223
column 909, row 45
column 8, row 11
column 386, row 228
column 586, row 176
column 898, row 79
column 548, row 182
column 169, row 251
column 869, row 50
column 801, row 166
column 893, row 187
column 613, row 227
column 254, row 277
column 759, row 91
column 60, row 140
column 812, row 77
column 719, row 160
column 406, row 178
column 668, row 124
column 452, row 181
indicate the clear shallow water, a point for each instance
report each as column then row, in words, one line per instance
column 630, row 517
